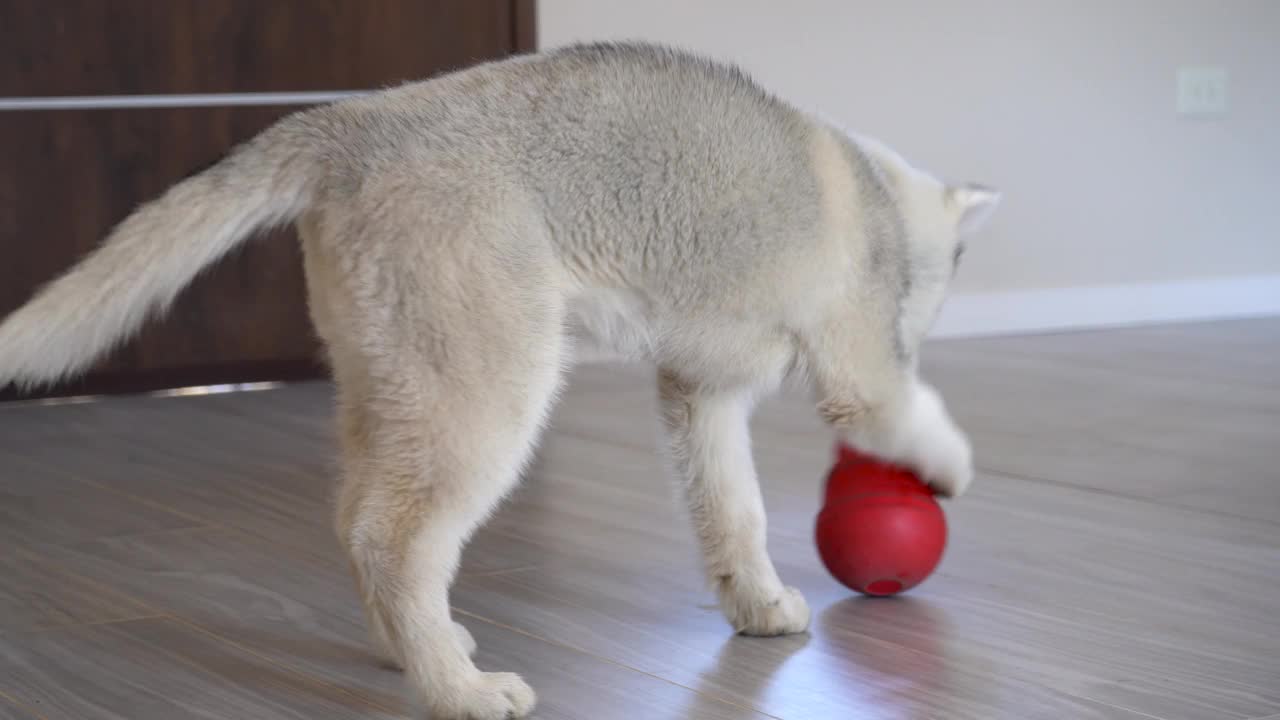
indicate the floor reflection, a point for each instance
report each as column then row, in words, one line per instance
column 863, row 659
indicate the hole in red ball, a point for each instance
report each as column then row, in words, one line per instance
column 884, row 587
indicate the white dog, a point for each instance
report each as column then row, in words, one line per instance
column 453, row 230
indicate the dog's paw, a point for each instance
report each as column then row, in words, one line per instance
column 782, row 614
column 935, row 448
column 947, row 464
column 489, row 696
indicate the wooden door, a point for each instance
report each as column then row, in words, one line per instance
column 105, row 104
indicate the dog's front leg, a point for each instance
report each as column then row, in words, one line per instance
column 710, row 444
column 875, row 400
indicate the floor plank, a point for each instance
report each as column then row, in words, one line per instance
column 40, row 506
column 1004, row 617
column 1118, row 557
column 1152, row 413
column 296, row 609
column 572, row 685
column 160, row 669
column 300, row 611
column 11, row 710
column 155, row 464
column 36, row 595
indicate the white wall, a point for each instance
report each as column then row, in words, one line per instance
column 1067, row 105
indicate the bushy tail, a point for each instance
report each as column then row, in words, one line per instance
column 151, row 256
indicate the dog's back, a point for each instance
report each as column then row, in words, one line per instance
column 660, row 155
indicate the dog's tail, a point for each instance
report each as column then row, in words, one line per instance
column 153, row 254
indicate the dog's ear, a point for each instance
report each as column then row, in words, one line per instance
column 972, row 206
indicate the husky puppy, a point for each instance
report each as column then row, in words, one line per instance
column 456, row 230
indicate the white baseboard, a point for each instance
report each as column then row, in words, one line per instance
column 1031, row 311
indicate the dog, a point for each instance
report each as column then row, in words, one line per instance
column 460, row 234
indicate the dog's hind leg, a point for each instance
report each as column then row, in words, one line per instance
column 445, row 380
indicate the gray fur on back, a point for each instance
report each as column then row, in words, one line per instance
column 653, row 169
column 691, row 166
column 667, row 154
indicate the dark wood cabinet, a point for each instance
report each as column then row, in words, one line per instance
column 68, row 175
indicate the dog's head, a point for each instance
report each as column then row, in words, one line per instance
column 934, row 221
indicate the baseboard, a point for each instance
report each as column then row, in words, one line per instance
column 1032, row 311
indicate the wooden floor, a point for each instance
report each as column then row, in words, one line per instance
column 1118, row 557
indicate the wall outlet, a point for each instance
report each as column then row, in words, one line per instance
column 1202, row 91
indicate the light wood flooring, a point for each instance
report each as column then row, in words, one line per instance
column 1118, row 556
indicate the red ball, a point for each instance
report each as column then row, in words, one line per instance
column 880, row 530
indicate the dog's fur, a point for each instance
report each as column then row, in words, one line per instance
column 455, row 229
